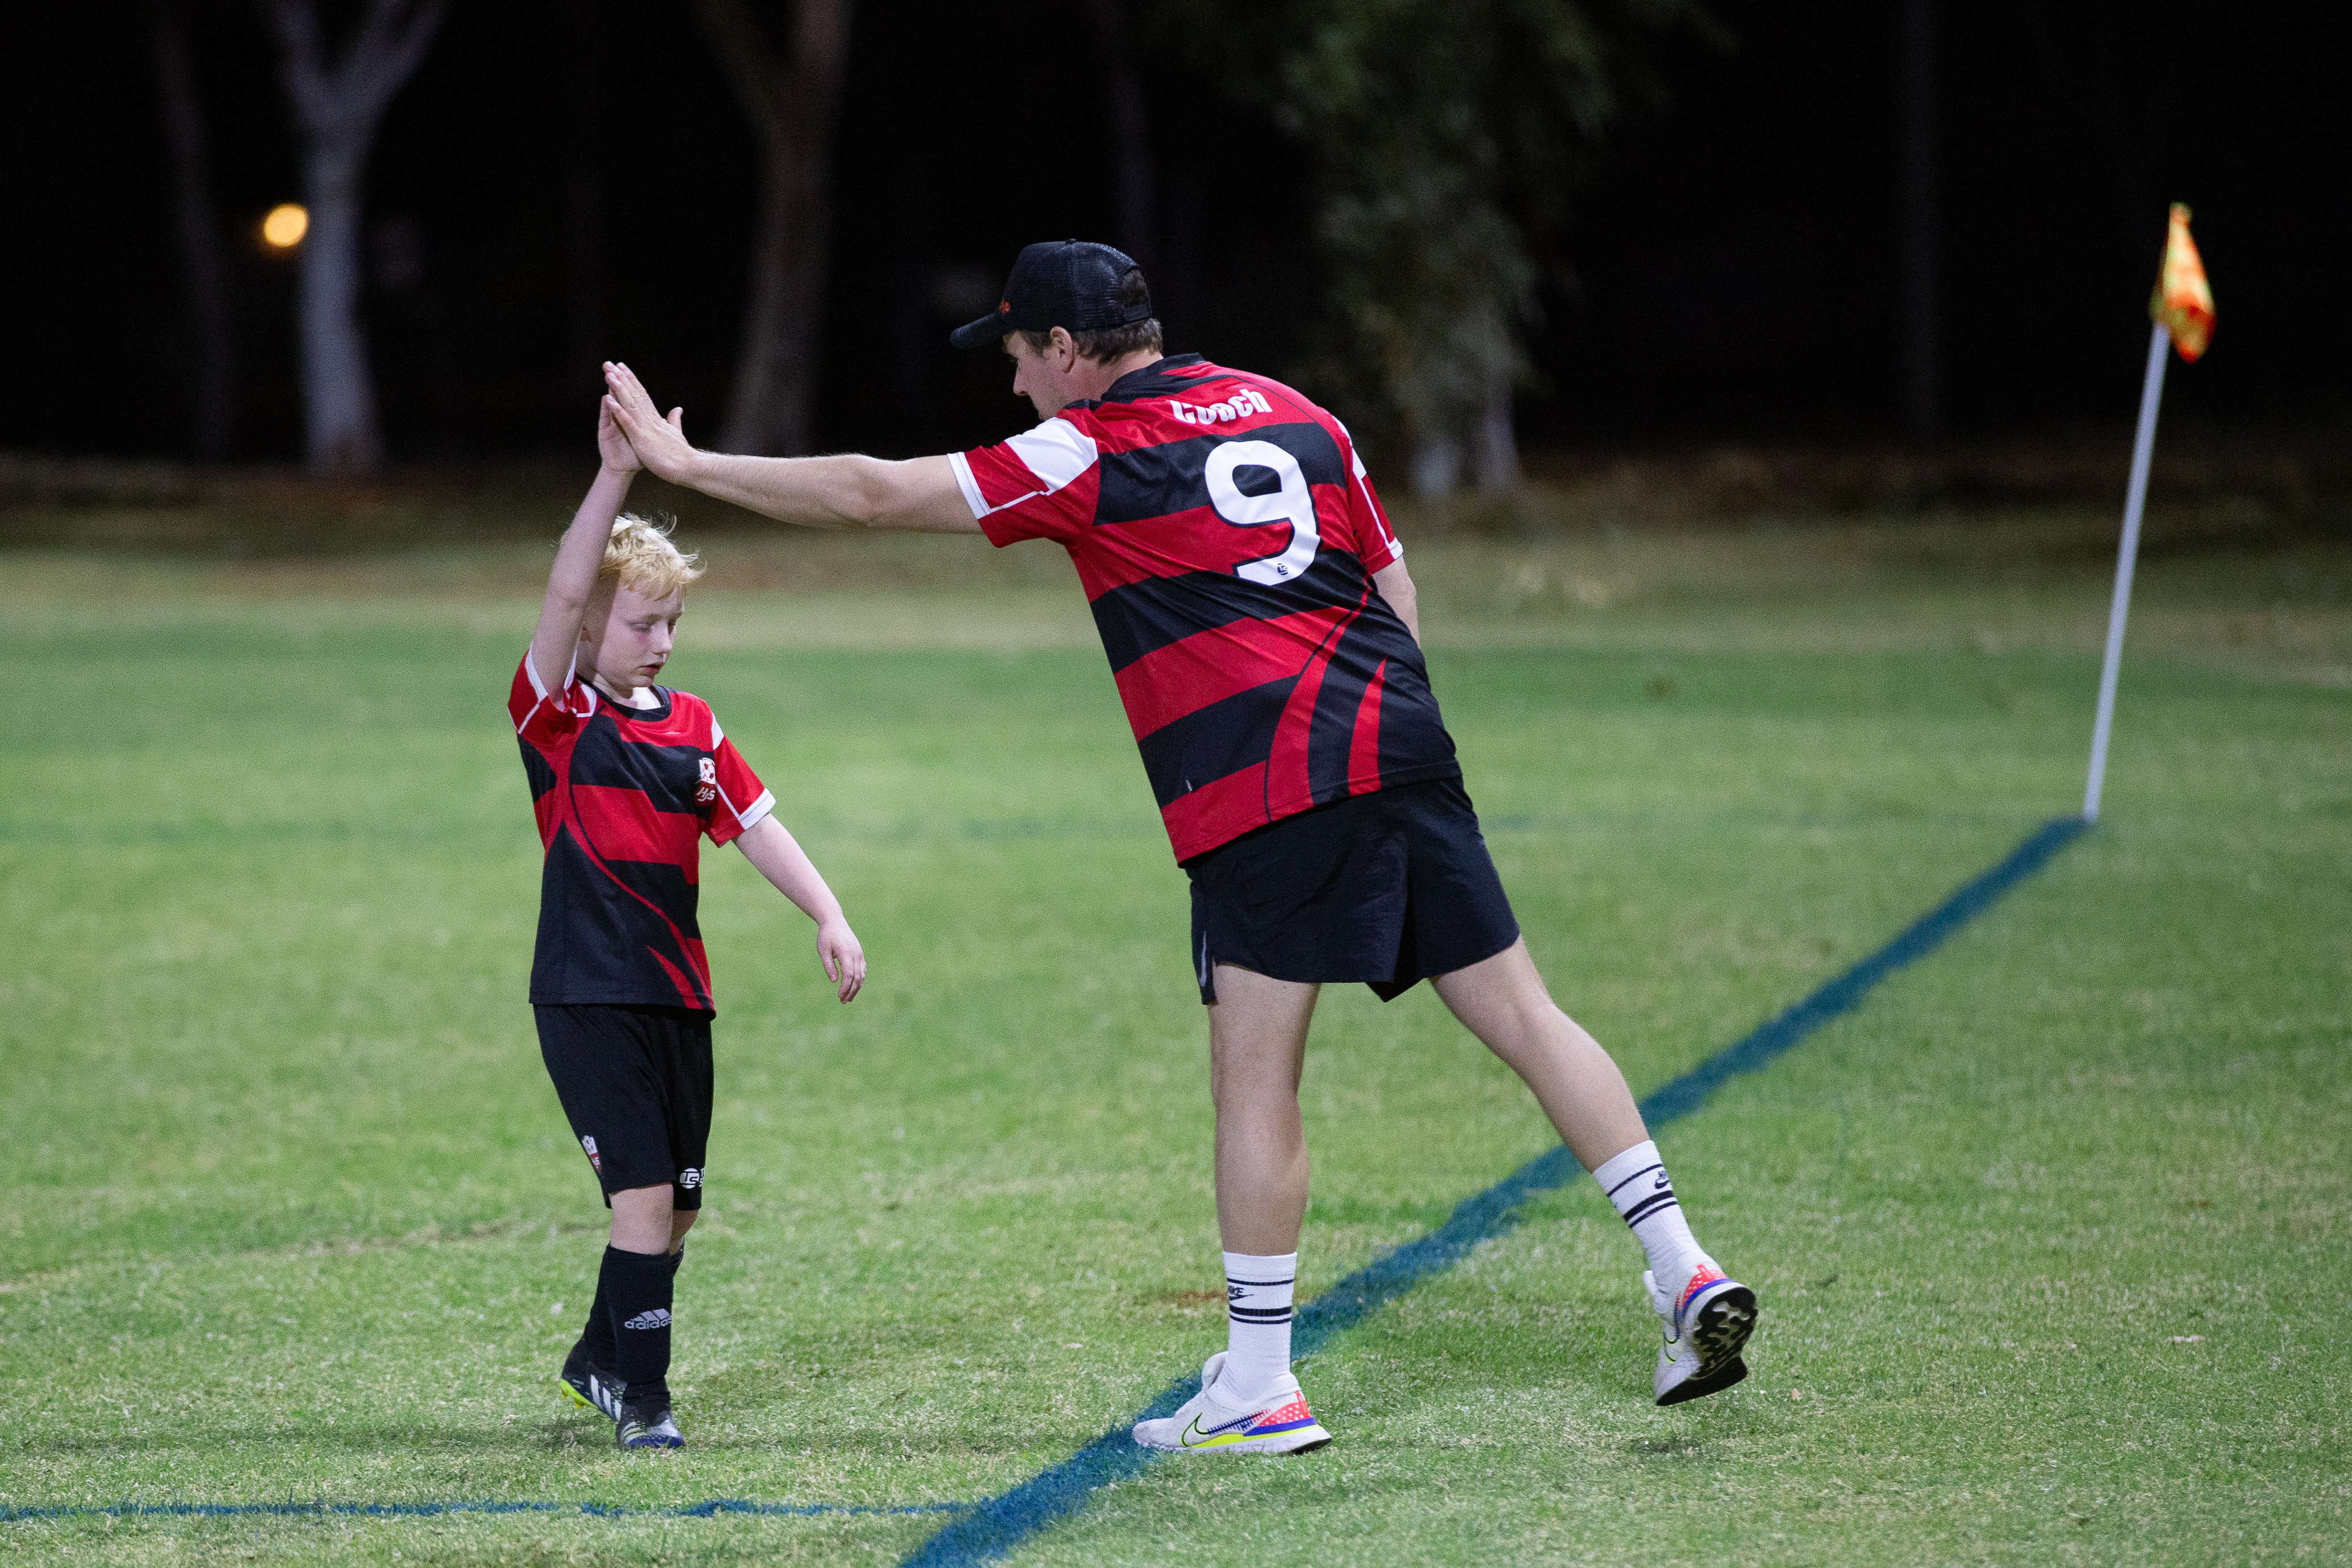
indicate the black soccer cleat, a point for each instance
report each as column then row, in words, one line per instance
column 584, row 1384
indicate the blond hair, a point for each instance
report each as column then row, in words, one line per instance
column 640, row 556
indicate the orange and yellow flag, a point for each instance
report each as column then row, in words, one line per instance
column 2183, row 301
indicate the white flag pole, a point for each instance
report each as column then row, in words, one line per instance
column 2150, row 393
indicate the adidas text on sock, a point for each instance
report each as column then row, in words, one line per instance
column 636, row 1287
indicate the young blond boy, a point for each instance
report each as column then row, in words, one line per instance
column 627, row 776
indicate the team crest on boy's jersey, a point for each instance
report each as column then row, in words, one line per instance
column 706, row 790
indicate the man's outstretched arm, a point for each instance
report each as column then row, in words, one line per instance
column 847, row 492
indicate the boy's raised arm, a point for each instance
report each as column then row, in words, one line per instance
column 919, row 495
column 573, row 581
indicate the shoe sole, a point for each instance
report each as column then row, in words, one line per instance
column 655, row 1445
column 1304, row 1440
column 572, row 1395
column 1719, row 1335
column 1705, row 1383
column 1723, row 1327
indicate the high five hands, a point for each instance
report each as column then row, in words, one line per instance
column 660, row 444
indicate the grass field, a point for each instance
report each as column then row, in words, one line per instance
column 2047, row 1233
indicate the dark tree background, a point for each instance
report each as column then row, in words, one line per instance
column 560, row 175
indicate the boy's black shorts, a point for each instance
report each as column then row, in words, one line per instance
column 1388, row 888
column 635, row 1086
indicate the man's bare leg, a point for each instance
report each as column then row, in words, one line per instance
column 1503, row 1001
column 1249, row 1402
column 1257, row 1046
column 1707, row 1316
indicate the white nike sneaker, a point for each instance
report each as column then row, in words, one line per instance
column 1705, row 1331
column 1278, row 1424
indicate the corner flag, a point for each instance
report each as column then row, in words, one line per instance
column 2183, row 303
column 2182, row 309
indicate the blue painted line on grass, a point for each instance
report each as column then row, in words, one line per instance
column 1001, row 1523
column 992, row 1528
column 708, row 1509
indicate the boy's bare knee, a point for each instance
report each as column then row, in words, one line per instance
column 642, row 1217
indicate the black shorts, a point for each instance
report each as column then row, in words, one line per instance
column 1388, row 888
column 635, row 1086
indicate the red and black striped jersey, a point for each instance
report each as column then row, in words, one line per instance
column 624, row 797
column 1227, row 534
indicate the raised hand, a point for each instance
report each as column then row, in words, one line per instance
column 612, row 446
column 659, row 443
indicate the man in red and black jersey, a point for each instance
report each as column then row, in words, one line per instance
column 627, row 776
column 1262, row 629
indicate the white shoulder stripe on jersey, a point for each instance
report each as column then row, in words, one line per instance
column 539, row 687
column 1388, row 538
column 968, row 485
column 570, row 672
column 1054, row 453
column 1356, row 461
column 750, row 817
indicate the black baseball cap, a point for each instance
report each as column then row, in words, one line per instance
column 1073, row 284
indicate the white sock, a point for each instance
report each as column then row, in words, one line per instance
column 1257, row 1313
column 1637, row 1184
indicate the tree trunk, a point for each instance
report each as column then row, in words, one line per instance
column 336, row 108
column 792, row 103
column 1131, row 136
column 1497, row 444
column 776, row 376
column 1436, row 467
column 198, row 229
column 584, row 196
column 1923, row 399
column 915, row 334
column 1176, row 288
column 337, row 391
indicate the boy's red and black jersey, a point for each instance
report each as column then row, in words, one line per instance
column 624, row 797
column 1227, row 534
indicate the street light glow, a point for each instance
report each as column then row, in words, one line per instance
column 286, row 225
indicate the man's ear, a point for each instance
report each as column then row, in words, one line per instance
column 1065, row 349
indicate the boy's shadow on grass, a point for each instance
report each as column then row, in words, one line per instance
column 1667, row 1448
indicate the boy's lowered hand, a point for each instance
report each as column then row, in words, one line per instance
column 845, row 960
column 767, row 844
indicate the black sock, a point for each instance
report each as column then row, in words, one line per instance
column 597, row 1336
column 636, row 1290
